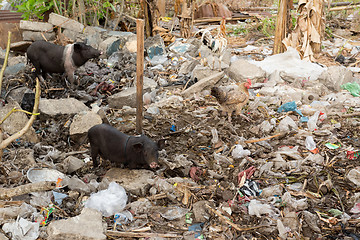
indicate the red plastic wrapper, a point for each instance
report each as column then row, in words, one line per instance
column 352, row 154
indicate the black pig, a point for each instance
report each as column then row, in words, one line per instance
column 51, row 58
column 113, row 145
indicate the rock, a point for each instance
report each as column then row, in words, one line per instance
column 16, row 122
column 83, row 121
column 20, row 46
column 140, row 206
column 36, row 26
column 93, row 40
column 241, row 70
column 73, row 164
column 76, row 184
column 202, row 84
column 37, row 36
column 201, row 72
column 17, row 94
column 188, row 66
column 16, row 60
column 200, row 211
column 63, row 106
column 12, row 70
column 126, row 97
column 109, row 46
column 86, row 226
column 155, row 46
column 72, row 35
column 131, row 44
column 134, row 181
column 335, row 76
column 65, row 22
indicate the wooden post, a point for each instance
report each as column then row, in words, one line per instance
column 139, row 74
column 281, row 27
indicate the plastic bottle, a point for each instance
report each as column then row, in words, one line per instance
column 309, row 143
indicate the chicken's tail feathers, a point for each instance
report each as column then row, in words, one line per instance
column 218, row 94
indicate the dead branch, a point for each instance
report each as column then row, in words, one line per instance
column 6, row 59
column 224, row 219
column 142, row 234
column 6, row 193
column 344, row 8
column 15, row 136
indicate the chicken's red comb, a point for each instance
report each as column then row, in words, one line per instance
column 249, row 81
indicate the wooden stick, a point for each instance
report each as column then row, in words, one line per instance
column 139, row 74
column 5, row 60
column 142, row 234
column 6, row 193
column 281, row 27
column 264, row 139
column 224, row 219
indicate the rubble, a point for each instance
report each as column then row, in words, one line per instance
column 288, row 171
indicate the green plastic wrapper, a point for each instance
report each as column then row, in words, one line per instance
column 353, row 88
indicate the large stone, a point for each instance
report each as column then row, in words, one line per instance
column 37, row 36
column 63, row 106
column 335, row 76
column 83, row 121
column 16, row 121
column 131, row 44
column 72, row 35
column 65, row 22
column 134, row 181
column 110, row 45
column 86, row 226
column 36, row 26
column 125, row 98
column 14, row 69
column 203, row 84
column 241, row 70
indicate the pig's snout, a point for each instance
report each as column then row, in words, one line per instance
column 154, row 165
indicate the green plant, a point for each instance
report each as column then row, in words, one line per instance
column 239, row 29
column 267, row 26
column 34, row 8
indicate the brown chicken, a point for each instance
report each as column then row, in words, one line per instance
column 234, row 99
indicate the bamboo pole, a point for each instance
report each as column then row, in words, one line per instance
column 139, row 74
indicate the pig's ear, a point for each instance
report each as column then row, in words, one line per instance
column 138, row 147
column 78, row 47
column 161, row 144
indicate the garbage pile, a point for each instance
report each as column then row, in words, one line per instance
column 290, row 172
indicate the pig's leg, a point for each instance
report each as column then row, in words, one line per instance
column 94, row 155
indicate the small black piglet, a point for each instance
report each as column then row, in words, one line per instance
column 51, row 58
column 119, row 148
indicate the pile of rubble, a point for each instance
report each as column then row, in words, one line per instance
column 291, row 172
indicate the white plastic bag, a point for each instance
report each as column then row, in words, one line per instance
column 109, row 201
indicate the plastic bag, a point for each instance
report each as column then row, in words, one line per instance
column 109, row 201
column 353, row 88
column 239, row 152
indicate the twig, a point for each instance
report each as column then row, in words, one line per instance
column 16, row 110
column 5, row 60
column 264, row 139
column 142, row 234
column 15, row 136
column 231, row 223
column 353, row 64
